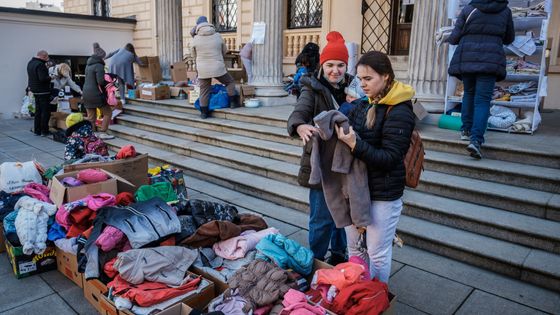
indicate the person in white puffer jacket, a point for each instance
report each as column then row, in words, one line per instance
column 31, row 224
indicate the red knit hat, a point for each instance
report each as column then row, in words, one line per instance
column 335, row 48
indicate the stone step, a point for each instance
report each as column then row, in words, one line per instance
column 520, row 262
column 498, row 146
column 274, row 150
column 511, row 198
column 250, row 163
column 253, row 130
column 528, row 176
column 504, row 225
column 496, row 223
column 278, row 192
column 264, row 116
column 537, row 203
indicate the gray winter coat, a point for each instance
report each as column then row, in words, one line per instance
column 208, row 49
column 121, row 64
column 165, row 264
column 94, row 83
column 343, row 177
column 141, row 222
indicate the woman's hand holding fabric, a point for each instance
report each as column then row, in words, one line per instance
column 349, row 138
column 305, row 132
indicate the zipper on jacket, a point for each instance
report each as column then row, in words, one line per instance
column 147, row 218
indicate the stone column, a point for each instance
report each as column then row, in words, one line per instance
column 427, row 64
column 169, row 28
column 267, row 58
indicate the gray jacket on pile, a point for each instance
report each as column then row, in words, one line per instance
column 343, row 177
column 165, row 264
column 141, row 222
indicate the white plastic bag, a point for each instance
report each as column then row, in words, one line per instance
column 15, row 175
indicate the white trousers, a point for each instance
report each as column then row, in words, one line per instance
column 379, row 238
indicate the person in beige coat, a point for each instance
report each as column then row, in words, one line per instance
column 208, row 49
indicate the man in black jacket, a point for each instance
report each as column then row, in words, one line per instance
column 40, row 84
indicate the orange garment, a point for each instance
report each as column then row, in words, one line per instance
column 125, row 152
column 124, row 199
column 150, row 293
column 82, row 220
column 341, row 276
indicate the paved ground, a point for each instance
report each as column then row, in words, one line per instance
column 424, row 283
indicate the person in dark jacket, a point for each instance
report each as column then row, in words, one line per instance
column 40, row 84
column 322, row 91
column 481, row 30
column 384, row 123
column 93, row 95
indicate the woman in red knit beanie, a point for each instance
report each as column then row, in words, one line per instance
column 321, row 91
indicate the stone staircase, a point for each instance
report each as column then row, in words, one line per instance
column 501, row 213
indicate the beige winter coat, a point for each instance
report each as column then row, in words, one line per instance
column 208, row 49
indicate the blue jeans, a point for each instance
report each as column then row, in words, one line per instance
column 322, row 228
column 476, row 104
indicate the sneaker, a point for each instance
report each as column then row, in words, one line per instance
column 104, row 136
column 465, row 135
column 474, row 150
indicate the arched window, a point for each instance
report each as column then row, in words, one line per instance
column 224, row 15
column 305, row 13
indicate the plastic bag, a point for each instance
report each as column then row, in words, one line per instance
column 27, row 106
column 15, row 175
column 218, row 98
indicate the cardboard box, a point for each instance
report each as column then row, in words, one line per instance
column 133, row 170
column 246, row 92
column 60, row 194
column 219, row 285
column 192, row 75
column 93, row 292
column 419, row 110
column 75, row 103
column 179, row 72
column 175, row 90
column 194, row 95
column 177, row 309
column 67, row 264
column 238, row 74
column 28, row 265
column 151, row 71
column 155, row 93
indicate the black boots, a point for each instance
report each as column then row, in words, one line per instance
column 204, row 112
column 234, row 101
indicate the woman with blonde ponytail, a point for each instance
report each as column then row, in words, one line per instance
column 384, row 123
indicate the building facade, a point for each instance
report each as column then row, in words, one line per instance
column 404, row 29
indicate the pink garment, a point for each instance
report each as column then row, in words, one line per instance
column 263, row 310
column 295, row 303
column 90, row 176
column 110, row 238
column 360, row 261
column 93, row 202
column 37, row 191
column 237, row 247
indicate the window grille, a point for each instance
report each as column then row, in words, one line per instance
column 305, row 13
column 224, row 15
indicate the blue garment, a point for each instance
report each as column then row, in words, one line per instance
column 285, row 253
column 10, row 222
column 322, row 228
column 56, row 232
column 475, row 109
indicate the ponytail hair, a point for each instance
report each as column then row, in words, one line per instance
column 381, row 64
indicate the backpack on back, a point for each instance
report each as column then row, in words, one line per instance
column 414, row 159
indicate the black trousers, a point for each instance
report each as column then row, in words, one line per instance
column 42, row 114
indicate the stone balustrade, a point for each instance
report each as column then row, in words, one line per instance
column 294, row 40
